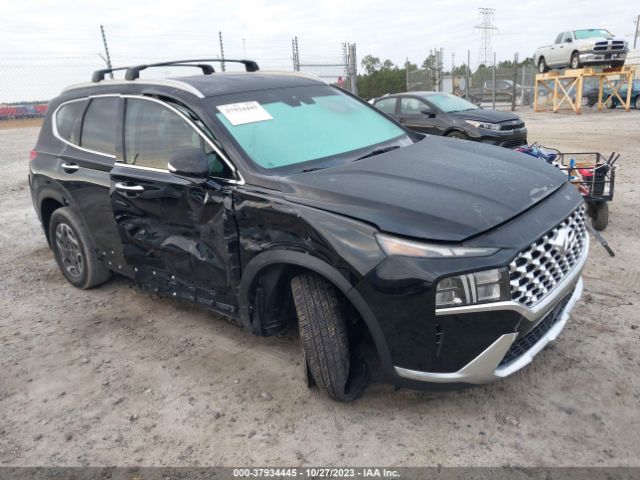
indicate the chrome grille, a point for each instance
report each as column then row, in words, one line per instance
column 543, row 264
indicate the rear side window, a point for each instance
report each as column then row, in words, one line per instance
column 68, row 119
column 99, row 126
column 153, row 133
column 388, row 105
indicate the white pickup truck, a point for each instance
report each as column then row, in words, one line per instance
column 578, row 48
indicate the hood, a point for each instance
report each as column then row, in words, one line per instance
column 438, row 188
column 481, row 115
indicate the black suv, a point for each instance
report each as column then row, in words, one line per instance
column 274, row 198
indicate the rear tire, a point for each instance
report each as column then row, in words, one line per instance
column 325, row 340
column 74, row 251
column 637, row 103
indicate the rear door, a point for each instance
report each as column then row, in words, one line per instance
column 178, row 235
column 87, row 128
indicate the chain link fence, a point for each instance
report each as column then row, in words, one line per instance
column 502, row 88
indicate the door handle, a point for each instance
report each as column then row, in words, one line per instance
column 123, row 187
column 69, row 167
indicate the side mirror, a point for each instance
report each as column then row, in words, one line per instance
column 428, row 113
column 568, row 40
column 189, row 162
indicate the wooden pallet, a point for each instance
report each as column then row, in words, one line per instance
column 560, row 84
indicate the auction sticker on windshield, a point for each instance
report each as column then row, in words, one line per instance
column 245, row 112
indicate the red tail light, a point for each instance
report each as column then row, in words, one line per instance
column 33, row 155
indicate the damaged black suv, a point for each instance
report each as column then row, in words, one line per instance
column 274, row 198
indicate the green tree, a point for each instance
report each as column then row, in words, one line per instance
column 370, row 64
column 380, row 77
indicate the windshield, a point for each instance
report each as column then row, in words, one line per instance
column 284, row 127
column 450, row 103
column 582, row 34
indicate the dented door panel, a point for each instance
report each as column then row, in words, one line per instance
column 176, row 227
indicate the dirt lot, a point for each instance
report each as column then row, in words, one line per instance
column 114, row 376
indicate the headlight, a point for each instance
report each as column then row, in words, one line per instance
column 485, row 125
column 478, row 287
column 409, row 248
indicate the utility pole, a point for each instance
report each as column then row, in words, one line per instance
column 222, row 65
column 486, row 29
column 635, row 38
column 106, row 50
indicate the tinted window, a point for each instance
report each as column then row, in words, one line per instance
column 411, row 106
column 559, row 38
column 387, row 105
column 68, row 119
column 99, row 126
column 153, row 133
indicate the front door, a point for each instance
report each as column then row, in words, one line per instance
column 178, row 234
column 418, row 116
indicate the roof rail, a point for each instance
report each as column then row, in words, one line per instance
column 133, row 72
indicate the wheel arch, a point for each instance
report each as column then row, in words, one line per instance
column 48, row 203
column 282, row 264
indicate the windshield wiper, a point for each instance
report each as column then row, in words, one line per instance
column 312, row 169
column 377, row 151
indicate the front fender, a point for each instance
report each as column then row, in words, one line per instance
column 304, row 260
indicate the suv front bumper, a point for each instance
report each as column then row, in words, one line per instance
column 490, row 365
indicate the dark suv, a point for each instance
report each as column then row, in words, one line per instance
column 274, row 198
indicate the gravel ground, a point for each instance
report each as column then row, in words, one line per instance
column 114, row 376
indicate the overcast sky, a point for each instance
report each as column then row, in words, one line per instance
column 62, row 38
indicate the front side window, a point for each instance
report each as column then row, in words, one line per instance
column 100, row 124
column 68, row 118
column 411, row 106
column 284, row 127
column 154, row 133
column 387, row 105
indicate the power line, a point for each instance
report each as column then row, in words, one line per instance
column 486, row 28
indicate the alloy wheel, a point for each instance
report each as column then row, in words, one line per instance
column 69, row 250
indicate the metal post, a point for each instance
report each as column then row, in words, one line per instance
column 635, row 38
column 515, row 81
column 468, row 72
column 353, row 62
column 222, row 65
column 106, row 50
column 523, row 83
column 406, row 74
column 494, row 80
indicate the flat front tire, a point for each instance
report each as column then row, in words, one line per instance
column 325, row 340
column 74, row 252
